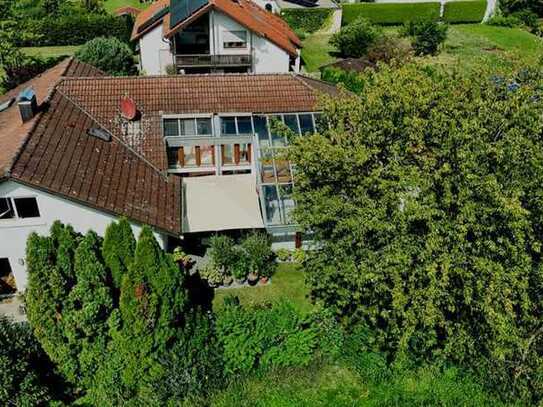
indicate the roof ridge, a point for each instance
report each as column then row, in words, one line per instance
column 118, row 139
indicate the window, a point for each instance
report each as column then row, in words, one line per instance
column 207, row 155
column 11, row 208
column 306, row 124
column 261, row 128
column 27, row 207
column 245, row 153
column 236, row 125
column 292, row 122
column 188, row 127
column 235, row 39
column 6, row 209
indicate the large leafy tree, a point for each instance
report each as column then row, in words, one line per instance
column 425, row 198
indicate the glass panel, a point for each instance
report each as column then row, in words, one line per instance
column 228, row 125
column 283, row 171
column 27, row 207
column 171, row 128
column 292, row 122
column 244, row 154
column 287, row 202
column 188, row 127
column 244, row 125
column 203, row 126
column 190, row 156
column 172, row 156
column 277, row 140
column 228, row 154
column 261, row 128
column 271, row 204
column 206, row 155
column 6, row 209
column 266, row 162
column 306, row 123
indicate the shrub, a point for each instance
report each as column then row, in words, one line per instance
column 504, row 21
column 390, row 13
column 257, row 247
column 351, row 80
column 108, row 54
column 470, row 11
column 512, row 6
column 26, row 377
column 240, row 266
column 355, row 39
column 529, row 19
column 390, row 49
column 298, row 256
column 264, row 336
column 221, row 252
column 212, row 274
column 283, row 254
column 82, row 27
column 306, row 20
column 427, row 36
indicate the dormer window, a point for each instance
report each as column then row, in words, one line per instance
column 234, row 39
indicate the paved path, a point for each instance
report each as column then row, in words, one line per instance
column 10, row 308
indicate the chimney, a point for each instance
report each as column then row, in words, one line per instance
column 28, row 105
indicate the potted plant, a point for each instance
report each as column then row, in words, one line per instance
column 181, row 258
column 240, row 267
column 221, row 251
column 252, row 278
column 257, row 247
column 283, row 255
column 227, row 280
column 212, row 274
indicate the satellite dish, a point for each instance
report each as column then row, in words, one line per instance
column 128, row 108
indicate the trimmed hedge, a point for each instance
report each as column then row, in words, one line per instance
column 390, row 13
column 464, row 11
column 306, row 20
column 75, row 29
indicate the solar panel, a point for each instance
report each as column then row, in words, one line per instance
column 305, row 3
column 157, row 16
column 181, row 9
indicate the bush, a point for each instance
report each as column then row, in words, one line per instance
column 390, row 13
column 351, row 80
column 355, row 39
column 73, row 29
column 221, row 252
column 529, row 19
column 512, row 6
column 504, row 21
column 26, row 377
column 283, row 254
column 306, row 20
column 240, row 266
column 390, row 49
column 264, row 336
column 257, row 247
column 470, row 11
column 108, row 54
column 427, row 36
column 22, row 68
column 212, row 274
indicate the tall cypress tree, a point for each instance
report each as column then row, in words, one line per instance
column 118, row 249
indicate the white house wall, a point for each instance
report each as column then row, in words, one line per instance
column 14, row 232
column 221, row 24
column 155, row 52
column 268, row 57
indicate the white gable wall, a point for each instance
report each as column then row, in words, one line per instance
column 14, row 232
column 221, row 23
column 268, row 57
column 155, row 52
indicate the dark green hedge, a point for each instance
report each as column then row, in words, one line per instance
column 75, row 29
column 390, row 13
column 306, row 20
column 464, row 11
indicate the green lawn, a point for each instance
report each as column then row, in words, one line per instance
column 112, row 5
column 287, row 282
column 51, row 51
column 316, row 51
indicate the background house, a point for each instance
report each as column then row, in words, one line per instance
column 222, row 36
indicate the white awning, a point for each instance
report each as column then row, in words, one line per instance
column 214, row 203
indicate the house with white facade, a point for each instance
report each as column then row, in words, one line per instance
column 187, row 155
column 214, row 36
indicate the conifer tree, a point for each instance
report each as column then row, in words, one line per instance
column 118, row 249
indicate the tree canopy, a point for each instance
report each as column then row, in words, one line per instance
column 424, row 197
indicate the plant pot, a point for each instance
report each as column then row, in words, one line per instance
column 252, row 278
column 264, row 280
column 228, row 280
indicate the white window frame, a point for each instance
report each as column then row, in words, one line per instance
column 12, row 199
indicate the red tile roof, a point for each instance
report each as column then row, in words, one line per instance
column 126, row 176
column 245, row 12
column 121, row 11
column 14, row 132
